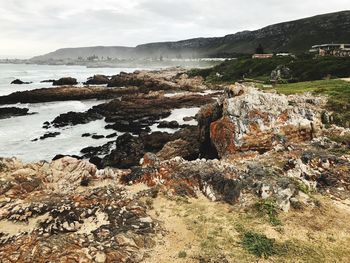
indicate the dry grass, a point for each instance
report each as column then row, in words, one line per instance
column 204, row 229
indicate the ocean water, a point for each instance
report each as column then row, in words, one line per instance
column 37, row 73
column 17, row 133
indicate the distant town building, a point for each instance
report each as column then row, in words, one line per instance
column 262, row 56
column 336, row 50
column 285, row 54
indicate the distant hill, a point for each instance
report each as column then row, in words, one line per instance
column 294, row 36
column 84, row 52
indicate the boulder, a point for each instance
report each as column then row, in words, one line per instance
column 74, row 118
column 168, row 124
column 97, row 80
column 254, row 121
column 128, row 152
column 280, row 74
column 65, row 81
column 174, row 149
column 20, row 82
column 8, row 112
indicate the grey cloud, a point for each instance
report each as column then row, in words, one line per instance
column 33, row 27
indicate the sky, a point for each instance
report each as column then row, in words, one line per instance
column 35, row 27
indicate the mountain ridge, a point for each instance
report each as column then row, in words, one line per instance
column 295, row 36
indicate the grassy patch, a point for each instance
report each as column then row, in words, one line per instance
column 302, row 69
column 258, row 244
column 268, row 207
column 261, row 246
column 338, row 92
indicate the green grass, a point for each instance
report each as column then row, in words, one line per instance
column 269, row 208
column 261, row 246
column 302, row 69
column 338, row 92
column 258, row 244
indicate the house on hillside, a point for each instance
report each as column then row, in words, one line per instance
column 262, row 56
column 335, row 50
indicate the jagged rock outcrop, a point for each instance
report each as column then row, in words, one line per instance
column 255, row 121
column 128, row 150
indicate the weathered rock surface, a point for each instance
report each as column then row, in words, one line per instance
column 128, row 149
column 68, row 211
column 255, row 121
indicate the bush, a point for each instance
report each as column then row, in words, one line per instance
column 303, row 69
column 182, row 254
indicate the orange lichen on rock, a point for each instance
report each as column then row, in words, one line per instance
column 222, row 134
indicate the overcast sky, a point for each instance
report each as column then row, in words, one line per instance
column 33, row 27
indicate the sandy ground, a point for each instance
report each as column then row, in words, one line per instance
column 346, row 79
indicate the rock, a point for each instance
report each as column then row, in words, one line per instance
column 155, row 141
column 9, row 112
column 75, row 206
column 222, row 135
column 60, row 156
column 74, row 118
column 112, row 135
column 65, row 81
column 176, row 148
column 254, row 121
column 48, row 135
column 46, row 125
column 86, row 135
column 128, row 152
column 283, row 198
column 149, row 160
column 168, row 80
column 20, row 82
column 97, row 137
column 208, row 114
column 187, row 119
column 280, row 74
column 64, row 93
column 47, row 81
column 167, row 124
column 97, row 80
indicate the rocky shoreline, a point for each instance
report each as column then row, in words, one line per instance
column 247, row 147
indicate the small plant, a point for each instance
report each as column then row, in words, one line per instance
column 149, row 202
column 182, row 254
column 303, row 188
column 269, row 207
column 258, row 244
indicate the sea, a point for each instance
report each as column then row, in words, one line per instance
column 17, row 133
